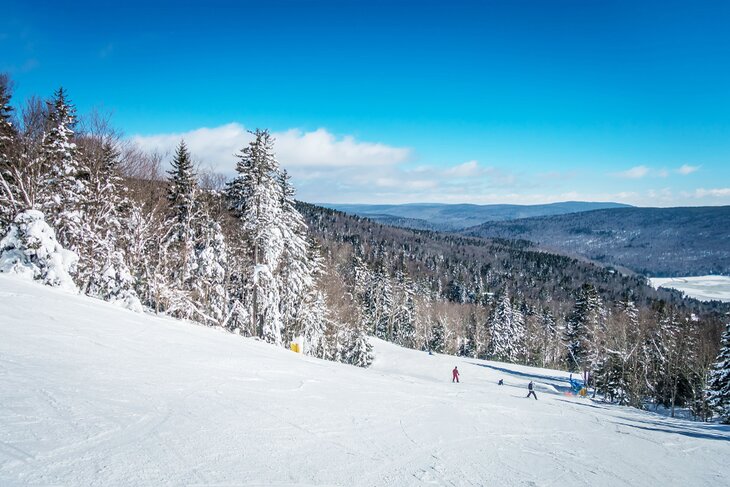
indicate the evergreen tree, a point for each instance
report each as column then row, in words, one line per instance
column 507, row 330
column 30, row 250
column 437, row 340
column 313, row 316
column 182, row 195
column 103, row 270
column 617, row 374
column 65, row 192
column 299, row 263
column 719, row 383
column 469, row 346
column 255, row 196
column 404, row 312
column 210, row 275
column 580, row 326
column 9, row 201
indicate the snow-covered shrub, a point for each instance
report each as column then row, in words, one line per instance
column 30, row 250
column 117, row 283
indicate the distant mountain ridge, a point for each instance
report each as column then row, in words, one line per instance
column 454, row 217
column 669, row 242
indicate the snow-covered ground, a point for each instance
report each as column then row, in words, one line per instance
column 91, row 394
column 704, row 288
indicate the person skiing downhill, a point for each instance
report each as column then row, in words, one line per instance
column 455, row 375
column 532, row 392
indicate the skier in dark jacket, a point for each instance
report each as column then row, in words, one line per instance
column 455, row 375
column 532, row 392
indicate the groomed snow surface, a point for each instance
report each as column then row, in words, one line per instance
column 704, row 288
column 91, row 394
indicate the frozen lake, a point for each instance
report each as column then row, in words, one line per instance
column 704, row 288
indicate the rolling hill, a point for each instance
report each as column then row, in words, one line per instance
column 654, row 241
column 451, row 217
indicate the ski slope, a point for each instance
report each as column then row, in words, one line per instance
column 91, row 394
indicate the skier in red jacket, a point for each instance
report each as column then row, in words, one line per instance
column 455, row 375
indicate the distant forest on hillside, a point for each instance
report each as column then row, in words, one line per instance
column 658, row 242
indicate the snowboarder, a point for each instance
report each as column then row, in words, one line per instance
column 455, row 375
column 501, row 382
column 532, row 392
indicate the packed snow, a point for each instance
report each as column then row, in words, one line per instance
column 704, row 288
column 92, row 394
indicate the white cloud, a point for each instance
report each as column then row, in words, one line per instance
column 216, row 147
column 687, row 169
column 328, row 168
column 320, row 148
column 465, row 170
column 715, row 193
column 342, row 169
column 636, row 172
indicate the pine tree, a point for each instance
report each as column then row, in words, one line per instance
column 65, row 192
column 30, row 249
column 299, row 263
column 437, row 340
column 469, row 346
column 379, row 304
column 139, row 239
column 255, row 196
column 719, row 383
column 616, row 373
column 507, row 330
column 210, row 276
column 404, row 307
column 182, row 199
column 360, row 352
column 9, row 200
column 103, row 269
column 580, row 325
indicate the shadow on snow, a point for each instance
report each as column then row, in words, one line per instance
column 533, row 376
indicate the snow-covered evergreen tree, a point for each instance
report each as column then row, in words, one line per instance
column 378, row 304
column 9, row 203
column 352, row 346
column 103, row 270
column 470, row 344
column 30, row 249
column 719, row 383
column 437, row 338
column 65, row 192
column 315, row 321
column 404, row 309
column 580, row 324
column 255, row 197
column 313, row 316
column 181, row 196
column 298, row 264
column 615, row 371
column 507, row 331
column 209, row 278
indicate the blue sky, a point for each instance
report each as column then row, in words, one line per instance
column 484, row 102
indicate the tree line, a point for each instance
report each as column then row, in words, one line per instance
column 78, row 209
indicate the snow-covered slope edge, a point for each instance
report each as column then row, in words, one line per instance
column 91, row 394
